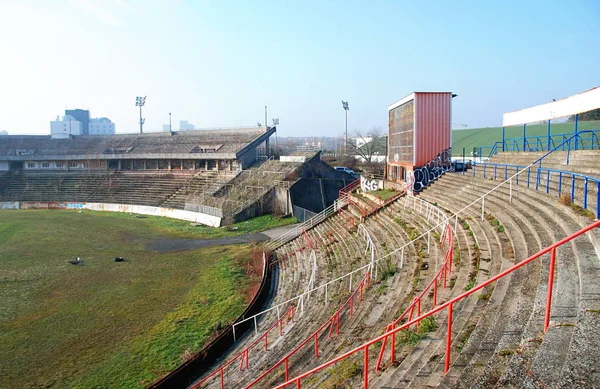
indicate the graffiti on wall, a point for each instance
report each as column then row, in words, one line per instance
column 421, row 177
column 367, row 184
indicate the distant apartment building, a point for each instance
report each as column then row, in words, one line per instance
column 184, row 125
column 77, row 122
column 67, row 127
column 101, row 126
column 82, row 116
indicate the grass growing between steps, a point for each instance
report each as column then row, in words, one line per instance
column 384, row 194
column 340, row 375
column 103, row 323
column 565, row 199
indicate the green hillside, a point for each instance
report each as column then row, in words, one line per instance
column 488, row 136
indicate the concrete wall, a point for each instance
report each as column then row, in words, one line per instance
column 3, row 165
column 196, row 217
column 248, row 158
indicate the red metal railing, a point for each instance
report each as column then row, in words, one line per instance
column 348, row 218
column 449, row 305
column 308, row 246
column 243, row 355
column 441, row 276
column 349, row 188
column 332, row 324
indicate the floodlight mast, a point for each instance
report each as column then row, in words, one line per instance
column 139, row 102
column 346, row 108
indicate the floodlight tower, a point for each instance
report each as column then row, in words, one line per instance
column 139, row 102
column 275, row 124
column 346, row 108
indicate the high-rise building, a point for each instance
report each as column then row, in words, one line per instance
column 82, row 116
column 101, row 126
column 65, row 128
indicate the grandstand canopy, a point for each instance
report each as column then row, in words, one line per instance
column 226, row 143
column 572, row 105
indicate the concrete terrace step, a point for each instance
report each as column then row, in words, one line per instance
column 542, row 208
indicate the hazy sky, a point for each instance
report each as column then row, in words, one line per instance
column 218, row 63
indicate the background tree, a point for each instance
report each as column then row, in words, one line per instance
column 586, row 116
column 367, row 145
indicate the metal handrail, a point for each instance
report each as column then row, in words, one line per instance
column 539, row 171
column 541, row 141
column 455, row 215
column 449, row 305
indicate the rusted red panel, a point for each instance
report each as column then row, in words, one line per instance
column 432, row 125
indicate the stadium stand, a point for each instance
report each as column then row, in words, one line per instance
column 498, row 334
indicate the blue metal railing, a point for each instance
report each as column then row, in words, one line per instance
column 583, row 140
column 566, row 144
column 591, row 185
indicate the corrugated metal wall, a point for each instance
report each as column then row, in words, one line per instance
column 432, row 125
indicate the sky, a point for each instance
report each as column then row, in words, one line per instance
column 218, row 63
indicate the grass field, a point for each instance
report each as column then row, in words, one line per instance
column 488, row 136
column 107, row 324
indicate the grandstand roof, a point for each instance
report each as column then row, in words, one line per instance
column 216, row 144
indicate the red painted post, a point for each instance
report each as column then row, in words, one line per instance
column 351, row 305
column 448, row 339
column 298, row 383
column 550, row 286
column 361, row 291
column 444, row 271
column 247, row 358
column 316, row 345
column 287, row 372
column 419, row 307
column 393, row 351
column 435, row 293
column 451, row 253
column 266, row 342
column 337, row 330
column 366, row 371
column 222, row 374
column 281, row 325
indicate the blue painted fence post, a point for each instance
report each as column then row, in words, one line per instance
column 549, row 136
column 524, row 136
column 576, row 129
column 585, row 188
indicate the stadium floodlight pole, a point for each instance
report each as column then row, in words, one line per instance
column 170, row 128
column 139, row 102
column 346, row 108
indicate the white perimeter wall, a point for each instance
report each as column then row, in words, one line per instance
column 581, row 102
column 195, row 217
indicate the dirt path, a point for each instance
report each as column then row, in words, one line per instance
column 165, row 245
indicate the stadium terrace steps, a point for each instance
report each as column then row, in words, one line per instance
column 419, row 362
column 514, row 351
column 120, row 188
column 584, row 162
column 340, row 249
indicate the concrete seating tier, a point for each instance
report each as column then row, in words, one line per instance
column 472, row 265
column 581, row 161
column 507, row 345
column 120, row 188
column 247, row 185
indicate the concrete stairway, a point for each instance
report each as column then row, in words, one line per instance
column 507, row 346
column 584, row 162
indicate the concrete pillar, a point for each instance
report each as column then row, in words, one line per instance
column 120, row 166
column 267, row 146
column 206, row 164
column 169, row 167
